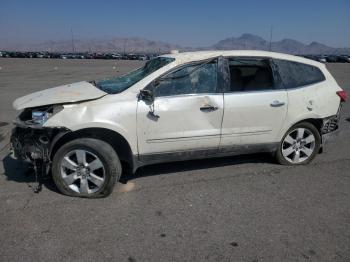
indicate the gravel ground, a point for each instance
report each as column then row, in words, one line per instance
column 244, row 208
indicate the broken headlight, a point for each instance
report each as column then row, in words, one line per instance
column 38, row 116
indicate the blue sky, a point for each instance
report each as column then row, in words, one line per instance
column 188, row 23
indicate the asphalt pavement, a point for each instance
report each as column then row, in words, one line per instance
column 245, row 208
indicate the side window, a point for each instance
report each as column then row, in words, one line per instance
column 294, row 74
column 191, row 79
column 250, row 74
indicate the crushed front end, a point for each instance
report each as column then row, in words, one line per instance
column 32, row 142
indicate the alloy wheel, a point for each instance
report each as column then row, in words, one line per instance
column 298, row 145
column 82, row 171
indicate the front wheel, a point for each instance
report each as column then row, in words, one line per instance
column 299, row 145
column 86, row 167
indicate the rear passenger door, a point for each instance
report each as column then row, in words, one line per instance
column 255, row 104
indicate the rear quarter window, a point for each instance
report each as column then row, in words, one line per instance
column 294, row 74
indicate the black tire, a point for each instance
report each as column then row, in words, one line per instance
column 106, row 154
column 310, row 127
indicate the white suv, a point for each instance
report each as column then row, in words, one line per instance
column 176, row 107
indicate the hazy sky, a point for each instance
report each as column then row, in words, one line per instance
column 188, row 23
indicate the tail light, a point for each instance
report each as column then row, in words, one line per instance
column 343, row 95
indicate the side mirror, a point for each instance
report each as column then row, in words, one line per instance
column 156, row 82
column 146, row 95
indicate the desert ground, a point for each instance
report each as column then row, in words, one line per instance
column 245, row 208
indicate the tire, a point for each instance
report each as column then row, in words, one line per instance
column 307, row 145
column 86, row 167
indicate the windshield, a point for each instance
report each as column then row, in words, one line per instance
column 115, row 85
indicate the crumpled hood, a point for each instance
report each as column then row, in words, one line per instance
column 70, row 93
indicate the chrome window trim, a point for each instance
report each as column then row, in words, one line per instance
column 256, row 91
column 188, row 95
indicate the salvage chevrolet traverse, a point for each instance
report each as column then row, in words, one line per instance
column 177, row 107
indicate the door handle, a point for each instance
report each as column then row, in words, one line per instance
column 310, row 105
column 208, row 108
column 277, row 103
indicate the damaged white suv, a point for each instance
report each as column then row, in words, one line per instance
column 176, row 107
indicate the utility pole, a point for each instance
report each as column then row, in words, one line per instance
column 124, row 45
column 271, row 29
column 73, row 47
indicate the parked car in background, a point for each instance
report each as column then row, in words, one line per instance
column 343, row 59
column 321, row 59
column 332, row 59
column 78, row 55
column 177, row 107
column 318, row 58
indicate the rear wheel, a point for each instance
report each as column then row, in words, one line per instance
column 86, row 167
column 299, row 145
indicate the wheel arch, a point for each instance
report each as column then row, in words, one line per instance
column 116, row 140
column 317, row 122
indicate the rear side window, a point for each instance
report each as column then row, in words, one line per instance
column 250, row 74
column 294, row 74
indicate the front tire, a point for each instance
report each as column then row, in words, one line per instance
column 299, row 145
column 86, row 167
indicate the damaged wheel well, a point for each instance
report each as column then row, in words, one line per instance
column 314, row 121
column 117, row 141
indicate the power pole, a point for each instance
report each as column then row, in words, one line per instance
column 73, row 47
column 271, row 29
column 124, row 46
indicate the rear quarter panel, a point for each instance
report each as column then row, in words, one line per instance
column 312, row 101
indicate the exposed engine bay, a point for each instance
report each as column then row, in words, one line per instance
column 30, row 144
column 33, row 143
column 30, row 140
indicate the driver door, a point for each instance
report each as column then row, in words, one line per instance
column 186, row 113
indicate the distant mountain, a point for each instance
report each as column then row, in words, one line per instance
column 141, row 45
column 246, row 41
column 289, row 46
column 118, row 44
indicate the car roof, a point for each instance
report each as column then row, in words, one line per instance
column 186, row 57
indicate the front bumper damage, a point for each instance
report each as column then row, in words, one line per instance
column 34, row 144
column 31, row 143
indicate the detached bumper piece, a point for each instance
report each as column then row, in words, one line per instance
column 330, row 128
column 330, row 124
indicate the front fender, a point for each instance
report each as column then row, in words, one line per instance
column 118, row 118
